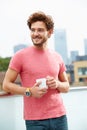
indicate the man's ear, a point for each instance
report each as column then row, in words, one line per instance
column 50, row 32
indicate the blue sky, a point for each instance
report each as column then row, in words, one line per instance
column 67, row 14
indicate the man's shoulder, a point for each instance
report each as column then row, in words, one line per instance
column 23, row 51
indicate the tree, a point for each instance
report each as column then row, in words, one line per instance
column 4, row 62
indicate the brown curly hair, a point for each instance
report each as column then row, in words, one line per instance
column 41, row 16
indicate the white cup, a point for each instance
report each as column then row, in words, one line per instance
column 43, row 82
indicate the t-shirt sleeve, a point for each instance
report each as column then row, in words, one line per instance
column 16, row 62
column 61, row 64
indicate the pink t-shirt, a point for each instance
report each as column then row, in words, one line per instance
column 32, row 64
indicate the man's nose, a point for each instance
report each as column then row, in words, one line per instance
column 36, row 32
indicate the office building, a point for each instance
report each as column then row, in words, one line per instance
column 73, row 55
column 61, row 44
column 19, row 46
column 85, row 46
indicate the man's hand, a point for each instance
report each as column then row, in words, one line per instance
column 37, row 91
column 52, row 82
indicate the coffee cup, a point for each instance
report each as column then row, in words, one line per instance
column 43, row 82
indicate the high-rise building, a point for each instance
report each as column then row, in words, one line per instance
column 74, row 55
column 85, row 46
column 61, row 44
column 19, row 46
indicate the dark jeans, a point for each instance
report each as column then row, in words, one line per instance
column 59, row 123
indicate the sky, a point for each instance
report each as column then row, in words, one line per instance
column 70, row 15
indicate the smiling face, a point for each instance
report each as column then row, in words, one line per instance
column 39, row 34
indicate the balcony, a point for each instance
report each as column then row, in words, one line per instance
column 11, row 116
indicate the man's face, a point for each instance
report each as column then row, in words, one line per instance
column 39, row 33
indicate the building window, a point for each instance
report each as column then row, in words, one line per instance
column 81, row 79
column 82, row 71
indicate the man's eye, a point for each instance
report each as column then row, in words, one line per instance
column 32, row 30
column 40, row 30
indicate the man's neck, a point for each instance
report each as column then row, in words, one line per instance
column 43, row 47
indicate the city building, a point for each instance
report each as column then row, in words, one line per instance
column 70, row 73
column 85, row 46
column 80, row 72
column 80, row 69
column 61, row 44
column 73, row 55
column 19, row 46
column 81, row 58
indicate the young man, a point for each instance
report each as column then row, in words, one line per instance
column 43, row 107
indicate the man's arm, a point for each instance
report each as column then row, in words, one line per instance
column 61, row 84
column 9, row 85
